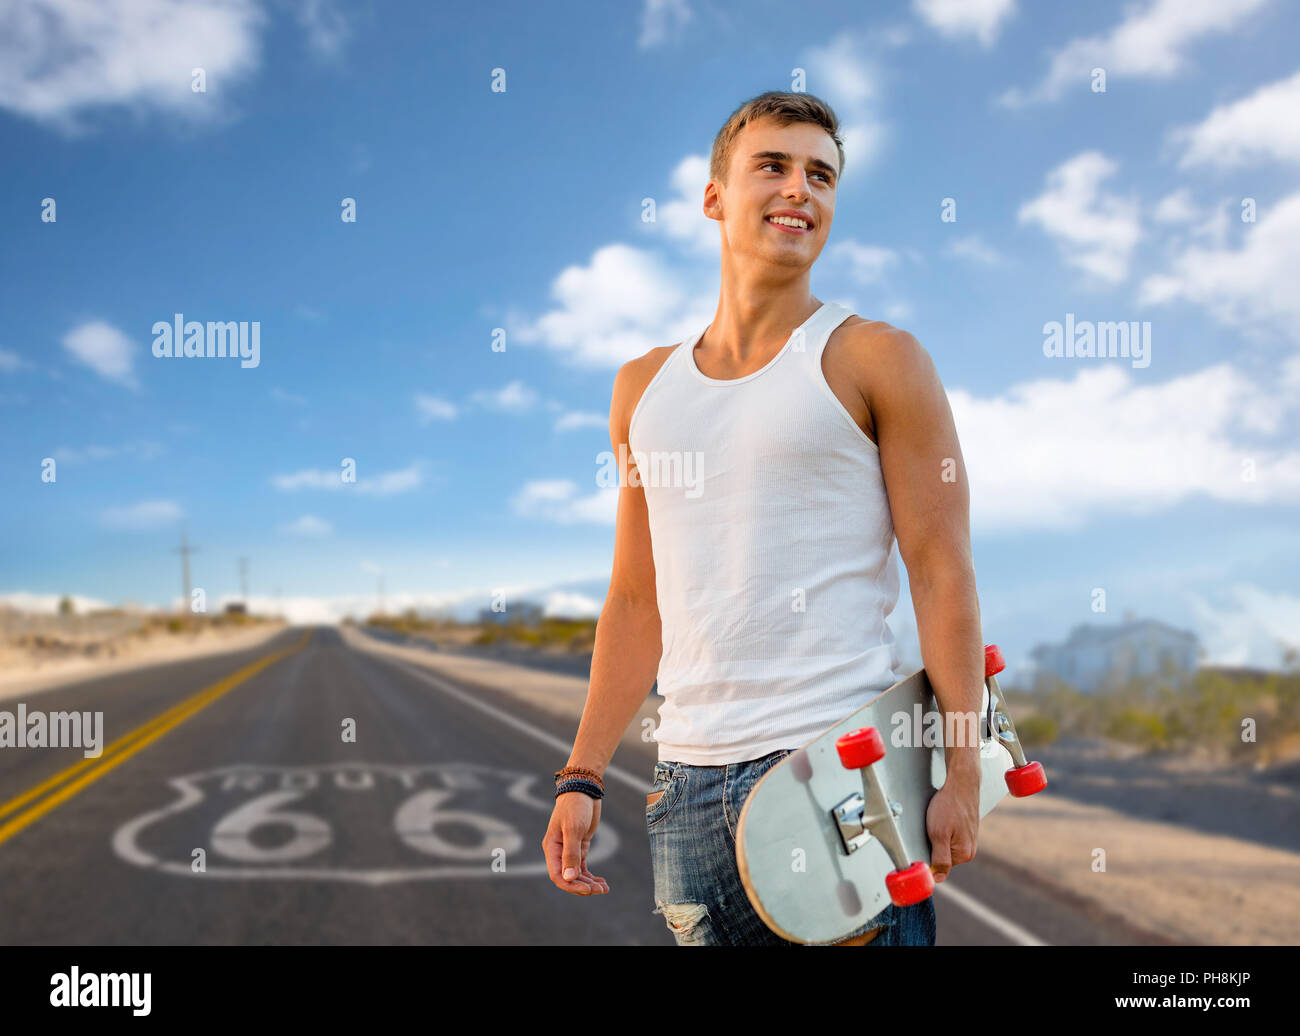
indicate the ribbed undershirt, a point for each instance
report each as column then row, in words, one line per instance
column 773, row 552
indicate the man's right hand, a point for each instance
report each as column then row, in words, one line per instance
column 573, row 822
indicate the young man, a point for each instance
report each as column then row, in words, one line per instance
column 756, row 585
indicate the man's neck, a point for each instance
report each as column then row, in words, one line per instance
column 753, row 321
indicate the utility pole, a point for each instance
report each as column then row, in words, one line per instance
column 185, row 550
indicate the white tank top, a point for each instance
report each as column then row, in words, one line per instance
column 773, row 552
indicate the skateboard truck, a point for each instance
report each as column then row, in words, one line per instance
column 859, row 818
column 1025, row 778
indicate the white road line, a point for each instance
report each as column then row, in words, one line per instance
column 991, row 918
column 967, row 902
column 637, row 783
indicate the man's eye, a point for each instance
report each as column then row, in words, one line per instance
column 824, row 176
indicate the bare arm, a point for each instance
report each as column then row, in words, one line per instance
column 628, row 635
column 929, row 500
column 623, row 664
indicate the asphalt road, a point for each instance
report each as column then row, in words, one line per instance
column 236, row 811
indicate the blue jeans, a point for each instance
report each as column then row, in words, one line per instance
column 697, row 888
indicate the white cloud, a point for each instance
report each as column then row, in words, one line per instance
column 973, row 248
column 625, row 302
column 60, row 58
column 1177, row 207
column 141, row 450
column 661, row 19
column 390, row 482
column 1291, row 374
column 514, row 398
column 433, row 408
column 867, row 264
column 10, row 362
column 559, row 604
column 287, row 397
column 898, row 311
column 104, row 349
column 682, row 216
column 1254, row 284
column 1150, row 43
column 1096, row 231
column 845, row 73
column 1264, row 125
column 148, row 514
column 979, row 18
column 558, row 500
column 850, row 82
column 1052, row 453
column 864, row 142
column 386, row 483
column 327, row 30
column 581, row 419
column 1254, row 631
column 308, row 525
column 48, row 604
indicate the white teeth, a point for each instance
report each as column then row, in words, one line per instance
column 788, row 221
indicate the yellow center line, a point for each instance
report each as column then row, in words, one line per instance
column 125, row 747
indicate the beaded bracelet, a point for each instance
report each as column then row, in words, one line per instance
column 580, row 784
column 579, row 771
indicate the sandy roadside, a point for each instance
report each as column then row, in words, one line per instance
column 1171, row 880
column 24, row 678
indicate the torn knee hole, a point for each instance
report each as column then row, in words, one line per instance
column 682, row 917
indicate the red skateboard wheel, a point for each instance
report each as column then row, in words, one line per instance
column 913, row 884
column 1026, row 780
column 993, row 661
column 861, row 747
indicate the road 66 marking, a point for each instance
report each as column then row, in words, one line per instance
column 372, row 823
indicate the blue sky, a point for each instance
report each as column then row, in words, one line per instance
column 1173, row 486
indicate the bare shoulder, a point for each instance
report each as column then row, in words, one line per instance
column 885, row 358
column 881, row 340
column 630, row 383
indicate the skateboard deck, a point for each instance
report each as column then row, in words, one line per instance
column 824, row 834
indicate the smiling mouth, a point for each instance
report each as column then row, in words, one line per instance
column 787, row 228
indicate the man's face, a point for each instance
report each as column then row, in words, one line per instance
column 775, row 168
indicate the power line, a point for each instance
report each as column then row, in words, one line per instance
column 185, row 550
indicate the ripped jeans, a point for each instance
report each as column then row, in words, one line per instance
column 697, row 888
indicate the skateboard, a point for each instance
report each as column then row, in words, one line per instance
column 835, row 832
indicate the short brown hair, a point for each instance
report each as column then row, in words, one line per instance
column 781, row 105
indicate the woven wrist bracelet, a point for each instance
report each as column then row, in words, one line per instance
column 579, row 771
column 581, row 784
